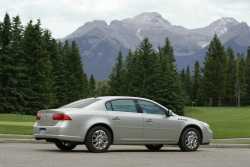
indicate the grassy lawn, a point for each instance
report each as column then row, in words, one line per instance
column 226, row 122
column 16, row 124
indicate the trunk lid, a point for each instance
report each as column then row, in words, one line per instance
column 46, row 117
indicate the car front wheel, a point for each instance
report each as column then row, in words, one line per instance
column 98, row 139
column 190, row 140
column 65, row 146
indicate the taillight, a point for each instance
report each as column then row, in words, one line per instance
column 61, row 117
column 38, row 116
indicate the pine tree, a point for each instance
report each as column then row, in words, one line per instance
column 102, row 88
column 92, row 86
column 188, row 84
column 1, row 63
column 1, row 38
column 27, row 47
column 150, row 68
column 248, row 76
column 76, row 84
column 60, row 73
column 35, row 70
column 169, row 86
column 197, row 87
column 132, row 74
column 65, row 51
column 230, row 77
column 214, row 72
column 182, row 77
column 146, row 68
column 85, row 85
column 20, row 68
column 56, row 71
column 6, row 31
column 7, row 68
column 241, row 80
column 50, row 50
column 40, row 68
column 117, row 77
column 78, row 71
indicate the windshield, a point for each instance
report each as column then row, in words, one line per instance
column 80, row 103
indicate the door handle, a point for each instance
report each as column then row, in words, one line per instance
column 149, row 120
column 116, row 119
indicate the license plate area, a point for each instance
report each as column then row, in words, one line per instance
column 42, row 131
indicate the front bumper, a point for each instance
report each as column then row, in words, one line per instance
column 207, row 135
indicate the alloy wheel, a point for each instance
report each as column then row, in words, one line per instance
column 100, row 140
column 191, row 140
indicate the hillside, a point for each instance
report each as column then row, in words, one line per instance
column 100, row 42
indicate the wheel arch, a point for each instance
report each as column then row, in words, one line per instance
column 192, row 126
column 103, row 125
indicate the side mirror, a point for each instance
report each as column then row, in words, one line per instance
column 169, row 113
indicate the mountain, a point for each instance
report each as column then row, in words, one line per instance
column 100, row 42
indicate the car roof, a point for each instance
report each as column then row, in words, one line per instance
column 106, row 98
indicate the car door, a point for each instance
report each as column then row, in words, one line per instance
column 158, row 127
column 127, row 122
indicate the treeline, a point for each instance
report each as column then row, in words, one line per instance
column 223, row 79
column 37, row 71
column 148, row 73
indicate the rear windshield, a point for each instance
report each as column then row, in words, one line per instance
column 80, row 103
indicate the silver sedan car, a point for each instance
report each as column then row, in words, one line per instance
column 102, row 121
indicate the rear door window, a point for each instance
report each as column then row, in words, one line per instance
column 122, row 105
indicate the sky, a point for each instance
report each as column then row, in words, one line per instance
column 62, row 17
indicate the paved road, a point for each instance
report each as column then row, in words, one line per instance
column 46, row 155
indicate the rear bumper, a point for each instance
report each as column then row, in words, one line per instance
column 57, row 132
column 57, row 137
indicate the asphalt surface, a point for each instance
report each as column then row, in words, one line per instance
column 46, row 155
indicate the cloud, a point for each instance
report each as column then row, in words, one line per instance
column 64, row 16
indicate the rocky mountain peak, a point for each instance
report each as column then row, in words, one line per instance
column 96, row 24
column 149, row 16
column 152, row 18
column 100, row 42
column 222, row 25
column 224, row 22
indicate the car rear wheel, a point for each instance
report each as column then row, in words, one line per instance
column 190, row 140
column 98, row 139
column 65, row 146
column 154, row 147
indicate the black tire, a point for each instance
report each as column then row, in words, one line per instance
column 194, row 144
column 65, row 146
column 154, row 147
column 91, row 139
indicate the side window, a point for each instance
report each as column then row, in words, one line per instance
column 122, row 105
column 151, row 108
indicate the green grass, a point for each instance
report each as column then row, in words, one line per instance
column 232, row 141
column 17, row 118
column 226, row 122
column 16, row 124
